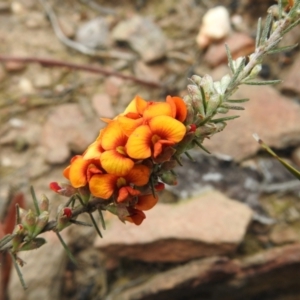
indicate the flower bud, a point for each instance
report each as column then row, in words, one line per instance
column 212, row 104
column 44, row 203
column 169, row 178
column 207, row 84
column 194, row 92
column 63, row 217
column 197, row 79
column 41, row 223
column 63, row 189
column 29, row 222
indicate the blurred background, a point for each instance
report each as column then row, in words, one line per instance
column 230, row 229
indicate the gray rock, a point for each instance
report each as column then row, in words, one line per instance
column 143, row 36
column 94, row 33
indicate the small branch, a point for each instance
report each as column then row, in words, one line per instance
column 58, row 63
column 92, row 206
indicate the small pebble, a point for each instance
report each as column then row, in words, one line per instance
column 215, row 26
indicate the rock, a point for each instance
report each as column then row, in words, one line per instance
column 211, row 224
column 296, row 156
column 26, row 86
column 103, row 106
column 272, row 116
column 94, row 33
column 35, row 20
column 290, row 84
column 215, row 26
column 67, row 130
column 67, row 27
column 42, row 272
column 149, row 72
column 240, row 44
column 143, row 36
column 271, row 274
column 283, row 234
column 44, row 80
column 113, row 86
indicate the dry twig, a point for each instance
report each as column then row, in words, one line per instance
column 88, row 68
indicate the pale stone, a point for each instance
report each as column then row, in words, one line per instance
column 211, row 224
column 215, row 26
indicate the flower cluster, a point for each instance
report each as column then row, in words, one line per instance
column 131, row 159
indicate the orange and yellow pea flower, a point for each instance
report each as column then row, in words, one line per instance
column 114, row 159
column 105, row 185
column 80, row 171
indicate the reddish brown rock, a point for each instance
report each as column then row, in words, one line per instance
column 66, row 130
column 291, row 81
column 273, row 117
column 239, row 44
column 208, row 225
column 271, row 274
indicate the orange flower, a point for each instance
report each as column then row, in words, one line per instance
column 81, row 170
column 114, row 159
column 105, row 185
column 139, row 112
column 149, row 140
column 146, row 202
column 136, row 216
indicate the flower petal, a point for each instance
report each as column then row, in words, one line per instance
column 167, row 128
column 128, row 125
column 126, row 191
column 138, row 144
column 157, row 109
column 138, row 175
column 146, row 202
column 158, row 147
column 181, row 110
column 141, row 104
column 93, row 151
column 113, row 136
column 136, row 216
column 77, row 172
column 115, row 163
column 103, row 185
column 66, row 172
